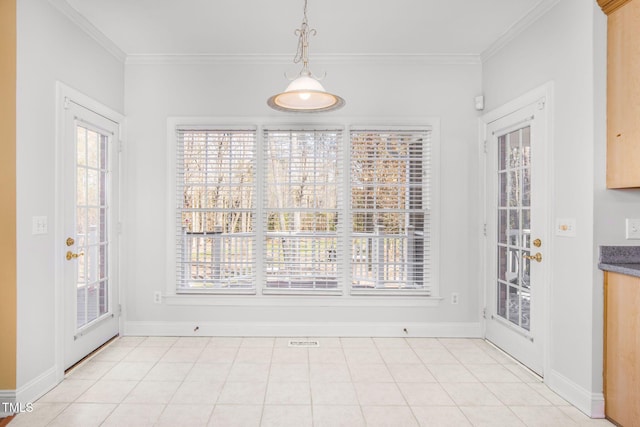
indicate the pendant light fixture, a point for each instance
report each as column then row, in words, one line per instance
column 305, row 94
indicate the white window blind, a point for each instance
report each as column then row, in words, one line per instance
column 216, row 212
column 301, row 209
column 390, row 210
column 292, row 217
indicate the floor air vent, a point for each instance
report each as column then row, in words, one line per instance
column 304, row 343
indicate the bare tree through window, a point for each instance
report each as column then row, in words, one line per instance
column 389, row 205
column 302, row 208
column 289, row 201
column 217, row 209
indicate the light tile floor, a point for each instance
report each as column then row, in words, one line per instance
column 220, row 381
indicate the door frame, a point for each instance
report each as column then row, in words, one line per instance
column 65, row 94
column 545, row 92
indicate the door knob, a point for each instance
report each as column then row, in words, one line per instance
column 70, row 241
column 537, row 257
column 71, row 255
column 537, row 243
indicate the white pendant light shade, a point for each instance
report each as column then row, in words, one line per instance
column 305, row 94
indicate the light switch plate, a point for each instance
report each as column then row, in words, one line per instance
column 39, row 225
column 566, row 227
column 632, row 227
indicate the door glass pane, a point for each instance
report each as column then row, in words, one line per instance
column 502, row 299
column 526, row 147
column 103, row 306
column 526, row 265
column 515, row 157
column 81, row 223
column 526, row 187
column 526, row 228
column 525, row 311
column 92, row 148
column 514, row 188
column 92, row 280
column 502, row 152
column 513, row 264
column 502, row 189
column 513, row 218
column 81, row 146
column 514, row 305
column 513, row 232
column 502, row 226
column 502, row 263
column 92, row 187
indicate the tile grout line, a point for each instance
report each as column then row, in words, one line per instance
column 395, row 380
column 309, row 373
column 266, row 390
column 346, row 361
column 95, row 381
column 215, row 404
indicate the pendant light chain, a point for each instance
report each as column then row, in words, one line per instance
column 303, row 34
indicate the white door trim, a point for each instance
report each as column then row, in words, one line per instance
column 65, row 94
column 545, row 92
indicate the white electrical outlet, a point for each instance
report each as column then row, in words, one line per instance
column 632, row 228
column 157, row 297
column 454, row 298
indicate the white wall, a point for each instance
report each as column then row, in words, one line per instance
column 50, row 48
column 565, row 46
column 156, row 91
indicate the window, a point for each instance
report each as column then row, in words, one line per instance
column 313, row 210
column 301, row 208
column 216, row 239
column 390, row 209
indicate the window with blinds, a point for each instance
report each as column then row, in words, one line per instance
column 301, row 209
column 312, row 210
column 216, row 209
column 390, row 210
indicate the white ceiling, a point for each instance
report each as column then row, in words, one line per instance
column 265, row 27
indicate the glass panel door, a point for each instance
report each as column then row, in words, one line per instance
column 514, row 227
column 89, row 198
column 517, row 233
column 92, row 225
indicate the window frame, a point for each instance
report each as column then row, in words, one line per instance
column 344, row 294
column 180, row 237
column 429, row 288
column 264, row 188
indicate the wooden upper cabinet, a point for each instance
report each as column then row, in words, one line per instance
column 609, row 6
column 623, row 93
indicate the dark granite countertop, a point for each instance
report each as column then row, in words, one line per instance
column 620, row 259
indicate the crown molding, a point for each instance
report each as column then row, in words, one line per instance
column 519, row 27
column 83, row 23
column 252, row 59
column 609, row 6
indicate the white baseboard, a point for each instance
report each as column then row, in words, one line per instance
column 592, row 404
column 295, row 329
column 37, row 387
column 24, row 396
column 6, row 396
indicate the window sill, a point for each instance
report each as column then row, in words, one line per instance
column 210, row 292
column 302, row 292
column 297, row 300
column 390, row 292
